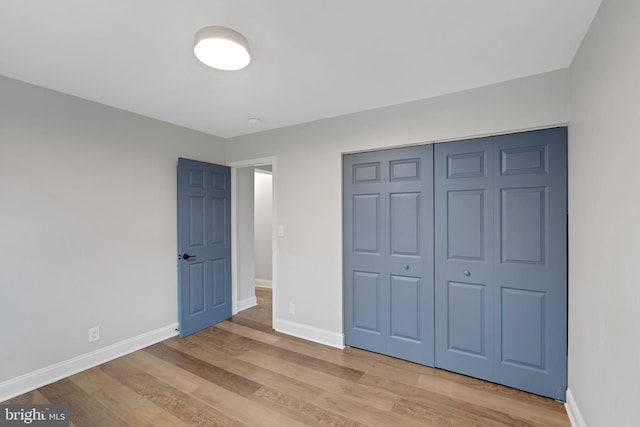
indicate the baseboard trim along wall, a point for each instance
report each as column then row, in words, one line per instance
column 575, row 417
column 310, row 333
column 247, row 303
column 33, row 380
column 262, row 283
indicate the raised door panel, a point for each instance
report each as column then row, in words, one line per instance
column 219, row 220
column 366, row 302
column 220, row 294
column 523, row 215
column 405, row 308
column 366, row 223
column 466, row 211
column 196, row 214
column 522, row 326
column 405, row 221
column 466, row 163
column 196, row 288
column 468, row 319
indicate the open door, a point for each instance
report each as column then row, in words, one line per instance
column 204, row 245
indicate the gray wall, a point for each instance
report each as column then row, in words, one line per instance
column 604, row 215
column 308, row 180
column 87, row 224
column 245, row 237
column 263, row 226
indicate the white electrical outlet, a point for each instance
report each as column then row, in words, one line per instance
column 94, row 334
column 292, row 308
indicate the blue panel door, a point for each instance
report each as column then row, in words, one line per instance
column 501, row 257
column 388, row 252
column 204, row 245
column 464, row 257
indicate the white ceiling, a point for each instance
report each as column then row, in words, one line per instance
column 310, row 59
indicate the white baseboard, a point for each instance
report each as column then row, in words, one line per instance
column 310, row 333
column 261, row 283
column 247, row 303
column 47, row 375
column 575, row 417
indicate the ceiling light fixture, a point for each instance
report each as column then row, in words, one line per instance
column 222, row 48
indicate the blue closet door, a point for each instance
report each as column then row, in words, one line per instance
column 501, row 257
column 464, row 253
column 388, row 252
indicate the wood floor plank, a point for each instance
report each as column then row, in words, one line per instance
column 253, row 413
column 357, row 360
column 257, row 373
column 224, row 378
column 243, row 373
column 315, row 363
column 364, row 412
column 225, row 401
column 32, row 397
column 449, row 404
column 181, row 405
column 374, row 396
column 220, row 339
column 164, row 371
column 84, row 410
column 130, row 407
column 259, row 326
column 248, row 332
column 303, row 411
column 135, row 410
column 91, row 380
column 544, row 413
column 441, row 415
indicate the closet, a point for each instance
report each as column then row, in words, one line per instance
column 455, row 256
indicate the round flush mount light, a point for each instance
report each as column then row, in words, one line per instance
column 222, row 48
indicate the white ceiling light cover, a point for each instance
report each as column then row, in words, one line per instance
column 222, row 48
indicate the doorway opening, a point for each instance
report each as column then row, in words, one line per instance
column 263, row 239
column 253, row 235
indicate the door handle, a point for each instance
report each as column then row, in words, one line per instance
column 187, row 256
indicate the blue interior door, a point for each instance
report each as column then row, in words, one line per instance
column 464, row 257
column 388, row 252
column 501, row 257
column 204, row 245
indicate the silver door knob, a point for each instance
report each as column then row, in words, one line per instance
column 406, row 266
column 466, row 273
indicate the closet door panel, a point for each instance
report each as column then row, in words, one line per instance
column 464, row 257
column 364, row 241
column 500, row 279
column 388, row 252
column 530, row 274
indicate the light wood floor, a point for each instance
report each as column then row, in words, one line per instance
column 241, row 373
